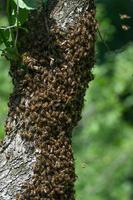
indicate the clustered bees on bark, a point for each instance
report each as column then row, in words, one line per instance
column 51, row 91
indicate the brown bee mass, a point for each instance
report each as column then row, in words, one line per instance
column 51, row 83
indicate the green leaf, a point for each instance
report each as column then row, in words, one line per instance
column 4, row 36
column 23, row 16
column 1, row 40
column 27, row 4
column 11, row 53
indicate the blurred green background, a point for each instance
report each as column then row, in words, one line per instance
column 103, row 139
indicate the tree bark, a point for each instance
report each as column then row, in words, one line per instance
column 3, row 6
column 50, row 80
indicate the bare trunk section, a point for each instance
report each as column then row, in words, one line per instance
column 36, row 161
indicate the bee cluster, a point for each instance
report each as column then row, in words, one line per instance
column 51, row 91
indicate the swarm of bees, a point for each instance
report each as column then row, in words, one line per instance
column 51, row 92
column 125, row 27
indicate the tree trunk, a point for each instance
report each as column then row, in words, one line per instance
column 50, row 80
column 3, row 6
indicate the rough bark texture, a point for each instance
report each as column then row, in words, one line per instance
column 50, row 81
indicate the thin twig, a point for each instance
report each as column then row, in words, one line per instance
column 17, row 16
column 7, row 27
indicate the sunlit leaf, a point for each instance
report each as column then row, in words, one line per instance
column 29, row 5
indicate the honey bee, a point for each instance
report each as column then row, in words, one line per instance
column 48, row 115
column 124, row 16
column 33, row 107
column 125, row 27
column 26, row 135
column 42, row 60
column 18, row 197
column 26, row 59
column 18, row 109
column 69, row 120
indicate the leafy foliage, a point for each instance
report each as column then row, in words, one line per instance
column 5, row 90
column 26, row 4
column 17, row 13
column 104, row 137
